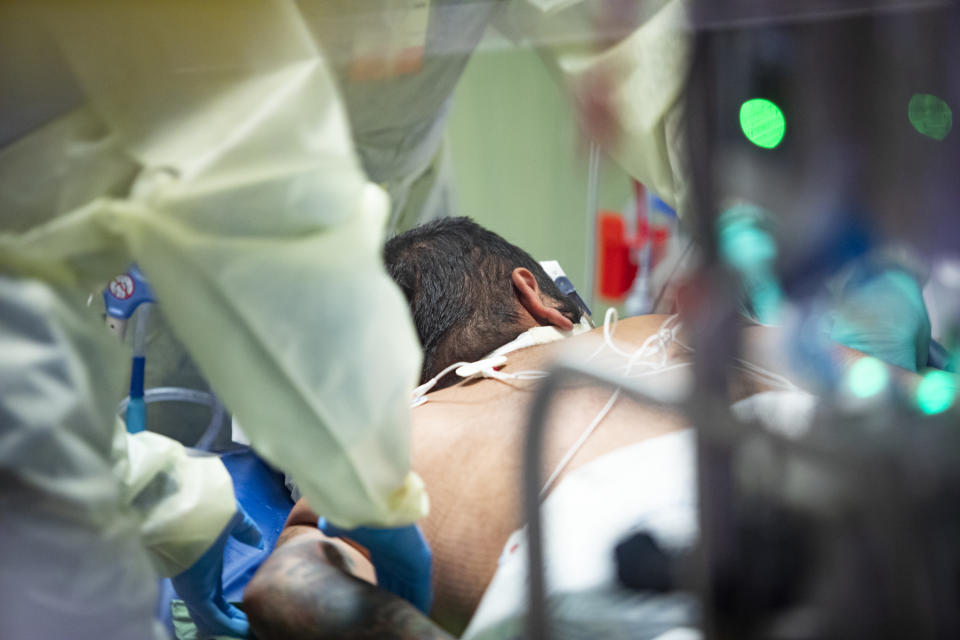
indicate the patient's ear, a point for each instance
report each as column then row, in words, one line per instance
column 528, row 293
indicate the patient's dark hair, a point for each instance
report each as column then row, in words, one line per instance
column 457, row 277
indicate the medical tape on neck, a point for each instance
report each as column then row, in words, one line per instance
column 537, row 336
column 487, row 366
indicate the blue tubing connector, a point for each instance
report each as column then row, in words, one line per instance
column 126, row 292
column 121, row 298
column 136, row 414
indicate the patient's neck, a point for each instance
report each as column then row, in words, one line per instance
column 455, row 350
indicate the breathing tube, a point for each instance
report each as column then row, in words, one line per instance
column 125, row 294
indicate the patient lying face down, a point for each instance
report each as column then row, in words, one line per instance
column 470, row 292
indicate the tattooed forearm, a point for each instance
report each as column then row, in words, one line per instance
column 304, row 592
column 291, row 532
column 397, row 619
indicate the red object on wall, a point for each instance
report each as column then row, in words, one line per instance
column 617, row 270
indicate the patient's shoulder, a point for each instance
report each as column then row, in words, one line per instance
column 633, row 329
column 492, row 395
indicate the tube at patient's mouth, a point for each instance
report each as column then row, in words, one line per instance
column 559, row 277
column 567, row 289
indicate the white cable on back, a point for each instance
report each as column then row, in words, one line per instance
column 530, row 374
column 422, row 390
column 756, row 369
column 572, row 451
column 774, row 378
column 503, row 376
column 466, row 370
column 575, row 448
column 609, row 325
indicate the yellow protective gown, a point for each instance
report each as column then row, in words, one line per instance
column 397, row 122
column 81, row 502
column 211, row 148
column 643, row 74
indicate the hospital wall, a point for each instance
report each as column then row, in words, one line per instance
column 520, row 161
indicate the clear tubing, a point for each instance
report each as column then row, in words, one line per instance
column 140, row 329
column 179, row 394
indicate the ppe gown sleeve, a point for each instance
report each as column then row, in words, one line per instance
column 183, row 502
column 78, row 485
column 260, row 236
column 634, row 83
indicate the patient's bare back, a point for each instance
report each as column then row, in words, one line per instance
column 467, row 444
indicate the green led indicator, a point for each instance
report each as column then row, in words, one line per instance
column 867, row 377
column 930, row 115
column 762, row 122
column 936, row 392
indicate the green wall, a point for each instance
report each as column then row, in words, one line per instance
column 520, row 163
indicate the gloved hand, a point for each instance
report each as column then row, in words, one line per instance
column 400, row 556
column 884, row 316
column 201, row 586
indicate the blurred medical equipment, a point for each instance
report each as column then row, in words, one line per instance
column 632, row 245
column 653, row 227
column 942, row 295
column 834, row 119
column 845, row 527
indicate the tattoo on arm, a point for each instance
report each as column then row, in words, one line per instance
column 289, row 533
column 304, row 591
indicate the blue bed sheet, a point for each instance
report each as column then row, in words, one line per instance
column 262, row 493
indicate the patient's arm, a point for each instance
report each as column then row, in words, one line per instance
column 768, row 347
column 309, row 589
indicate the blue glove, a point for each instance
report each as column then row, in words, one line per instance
column 400, row 556
column 201, row 586
column 884, row 315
